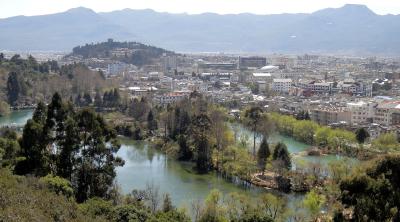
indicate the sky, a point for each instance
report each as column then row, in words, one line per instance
column 10, row 8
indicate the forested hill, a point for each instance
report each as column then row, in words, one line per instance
column 129, row 52
column 25, row 81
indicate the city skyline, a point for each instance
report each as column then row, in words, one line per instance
column 30, row 8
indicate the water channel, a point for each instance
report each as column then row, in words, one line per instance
column 145, row 165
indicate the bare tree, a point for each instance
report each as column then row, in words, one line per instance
column 197, row 209
column 153, row 196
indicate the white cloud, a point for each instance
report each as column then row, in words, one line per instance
column 36, row 7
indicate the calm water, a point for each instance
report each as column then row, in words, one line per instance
column 294, row 147
column 144, row 165
column 16, row 118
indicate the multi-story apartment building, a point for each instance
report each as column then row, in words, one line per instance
column 326, row 116
column 172, row 97
column 281, row 85
column 361, row 112
column 385, row 111
column 357, row 88
column 261, row 77
column 317, row 87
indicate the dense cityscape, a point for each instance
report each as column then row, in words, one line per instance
column 125, row 131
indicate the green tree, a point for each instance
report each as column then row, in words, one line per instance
column 374, row 194
column 69, row 148
column 98, row 101
column 282, row 155
column 4, row 108
column 9, row 149
column 263, row 154
column 13, row 88
column 96, row 162
column 34, row 150
column 314, row 203
column 40, row 113
column 254, row 115
column 185, row 153
column 213, row 210
column 87, row 98
column 151, row 122
column 200, row 131
column 274, row 206
column 386, row 142
column 361, row 135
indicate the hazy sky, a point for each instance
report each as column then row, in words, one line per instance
column 37, row 7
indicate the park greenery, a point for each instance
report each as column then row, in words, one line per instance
column 62, row 167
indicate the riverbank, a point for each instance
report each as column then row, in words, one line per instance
column 294, row 180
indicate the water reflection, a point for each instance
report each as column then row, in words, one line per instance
column 146, row 165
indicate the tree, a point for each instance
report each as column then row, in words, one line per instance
column 219, row 131
column 374, row 193
column 98, row 100
column 40, row 113
column 282, row 155
column 303, row 115
column 313, row 203
column 185, row 153
column 386, row 142
column 87, row 98
column 273, row 205
column 361, row 135
column 254, row 115
column 167, row 204
column 263, row 154
column 151, row 122
column 200, row 130
column 69, row 148
column 4, row 108
column 9, row 149
column 213, row 211
column 34, row 150
column 116, row 98
column 13, row 88
column 78, row 100
column 96, row 162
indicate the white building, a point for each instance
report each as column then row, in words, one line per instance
column 172, row 97
column 318, row 87
column 281, row 85
column 117, row 68
column 384, row 112
column 261, row 77
column 361, row 112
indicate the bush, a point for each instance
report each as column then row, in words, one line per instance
column 58, row 185
column 24, row 199
column 96, row 207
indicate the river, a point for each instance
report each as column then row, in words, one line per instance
column 295, row 148
column 145, row 165
column 16, row 118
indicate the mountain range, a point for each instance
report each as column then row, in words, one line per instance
column 351, row 29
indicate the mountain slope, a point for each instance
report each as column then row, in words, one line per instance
column 352, row 29
column 60, row 31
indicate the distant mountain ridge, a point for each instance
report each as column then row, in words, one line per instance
column 351, row 29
